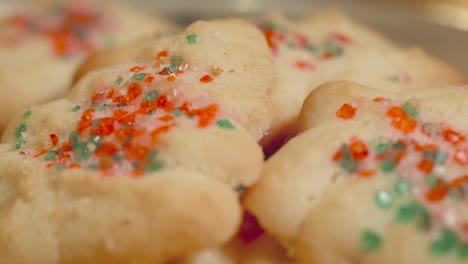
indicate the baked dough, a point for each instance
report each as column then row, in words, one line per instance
column 43, row 42
column 140, row 162
column 326, row 46
column 373, row 177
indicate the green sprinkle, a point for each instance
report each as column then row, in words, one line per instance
column 151, row 96
column 81, row 148
column 95, row 123
column 73, row 136
column 312, row 49
column 20, row 130
column 116, row 157
column 177, row 112
column 393, row 78
column 383, row 199
column 20, row 143
column 192, row 39
column 382, row 147
column 119, row 81
column 431, row 180
column 430, row 155
column 407, row 212
column 387, row 165
column 109, row 42
column 398, row 146
column 370, row 241
column 138, row 76
column 225, row 123
column 445, row 244
column 410, row 110
column 173, row 68
column 152, row 155
column 154, row 167
column 424, row 219
column 27, row 114
column 240, row 188
column 104, row 107
column 463, row 251
column 176, row 59
column 93, row 167
column 50, row 155
column 333, row 48
column 347, row 162
column 456, row 194
column 440, row 157
column 402, row 186
column 75, row 108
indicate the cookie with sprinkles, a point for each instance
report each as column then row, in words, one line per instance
column 43, row 42
column 374, row 177
column 327, row 46
column 235, row 44
column 140, row 163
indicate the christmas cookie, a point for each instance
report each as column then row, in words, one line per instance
column 140, row 163
column 43, row 42
column 328, row 46
column 252, row 107
column 374, row 177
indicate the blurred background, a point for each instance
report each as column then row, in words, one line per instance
column 439, row 26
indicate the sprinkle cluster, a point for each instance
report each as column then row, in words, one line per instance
column 281, row 36
column 121, row 124
column 71, row 28
column 428, row 163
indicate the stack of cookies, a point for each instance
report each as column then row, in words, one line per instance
column 275, row 141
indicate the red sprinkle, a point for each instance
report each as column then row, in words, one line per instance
column 426, row 165
column 346, row 112
column 460, row 181
column 206, row 79
column 206, row 115
column 149, row 79
column 358, row 149
column 106, row 149
column 461, row 157
column 400, row 120
column 305, row 66
column 366, row 173
column 436, row 194
column 161, row 54
column 137, row 69
column 54, row 139
column 452, row 136
column 85, row 121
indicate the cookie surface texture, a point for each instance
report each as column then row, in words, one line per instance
column 327, row 46
column 140, row 162
column 373, row 177
column 43, row 42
